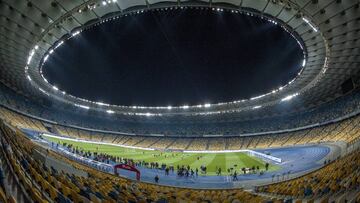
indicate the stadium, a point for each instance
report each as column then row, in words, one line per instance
column 170, row 101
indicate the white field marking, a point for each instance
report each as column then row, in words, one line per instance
column 95, row 142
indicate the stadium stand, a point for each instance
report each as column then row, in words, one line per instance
column 345, row 131
column 44, row 184
column 47, row 185
column 340, row 178
column 318, row 129
column 338, row 108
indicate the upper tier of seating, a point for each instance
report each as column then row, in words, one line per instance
column 138, row 125
column 347, row 131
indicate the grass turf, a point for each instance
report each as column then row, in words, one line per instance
column 212, row 161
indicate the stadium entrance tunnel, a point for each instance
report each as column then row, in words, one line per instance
column 151, row 59
column 128, row 168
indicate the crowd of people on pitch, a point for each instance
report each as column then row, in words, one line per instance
column 181, row 171
column 96, row 156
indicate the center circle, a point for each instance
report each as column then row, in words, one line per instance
column 176, row 57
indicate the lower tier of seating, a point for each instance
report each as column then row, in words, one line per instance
column 44, row 184
column 49, row 185
column 339, row 177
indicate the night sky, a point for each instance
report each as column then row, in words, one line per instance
column 178, row 57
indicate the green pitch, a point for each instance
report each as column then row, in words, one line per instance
column 212, row 161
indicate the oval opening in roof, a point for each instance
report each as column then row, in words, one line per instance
column 176, row 57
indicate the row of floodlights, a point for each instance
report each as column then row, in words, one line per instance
column 104, row 3
column 51, row 51
column 310, row 24
column 207, row 105
column 287, row 98
column 32, row 52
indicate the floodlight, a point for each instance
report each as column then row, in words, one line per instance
column 289, row 97
column 102, row 104
column 309, row 23
column 110, row 111
column 46, row 57
column 75, row 33
column 82, row 106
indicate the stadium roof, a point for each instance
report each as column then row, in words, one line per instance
column 329, row 29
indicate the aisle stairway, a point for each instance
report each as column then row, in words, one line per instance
column 13, row 190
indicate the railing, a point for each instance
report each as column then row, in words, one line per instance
column 342, row 153
column 108, row 168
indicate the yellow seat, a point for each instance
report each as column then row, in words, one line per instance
column 94, row 199
column 11, row 199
